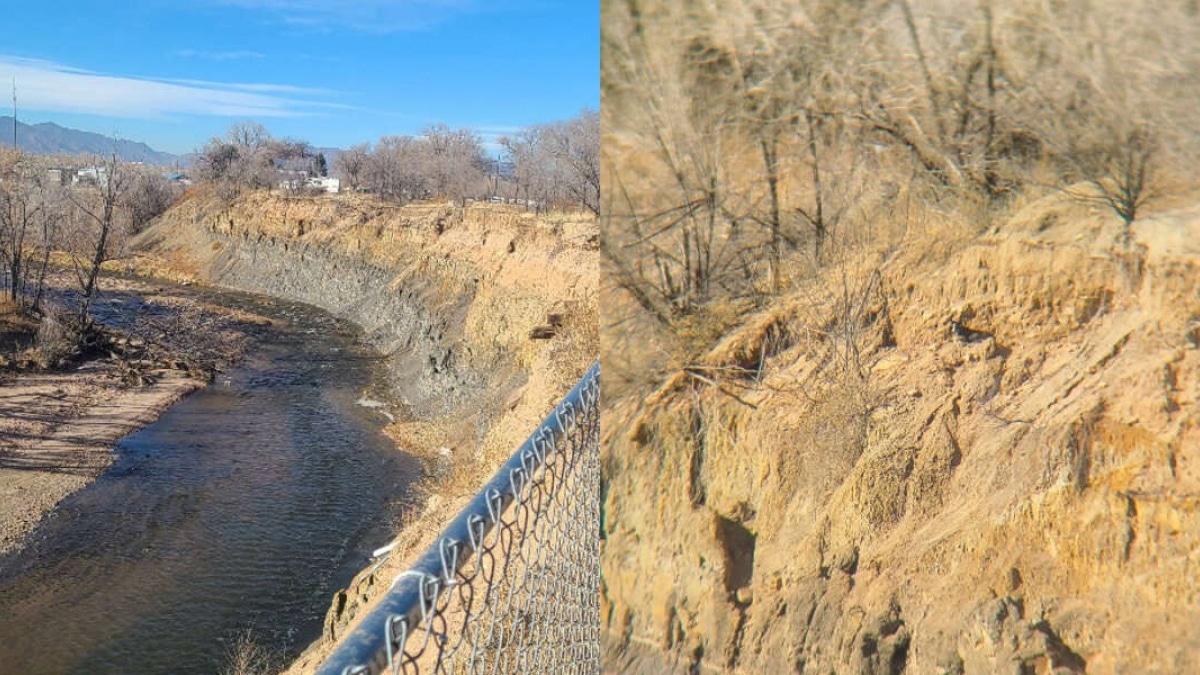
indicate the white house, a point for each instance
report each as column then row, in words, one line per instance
column 92, row 174
column 330, row 185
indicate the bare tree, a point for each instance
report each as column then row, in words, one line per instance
column 522, row 150
column 396, row 168
column 248, row 134
column 575, row 144
column 218, row 160
column 454, row 162
column 149, row 195
column 30, row 205
column 557, row 163
column 244, row 159
column 20, row 211
column 351, row 165
column 101, row 206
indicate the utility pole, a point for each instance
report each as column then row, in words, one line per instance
column 14, row 113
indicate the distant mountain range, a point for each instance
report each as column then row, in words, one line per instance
column 49, row 138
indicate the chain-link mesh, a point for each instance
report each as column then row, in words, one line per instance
column 512, row 585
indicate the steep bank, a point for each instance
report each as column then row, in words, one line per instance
column 954, row 458
column 449, row 295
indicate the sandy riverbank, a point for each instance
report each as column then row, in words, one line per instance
column 58, row 430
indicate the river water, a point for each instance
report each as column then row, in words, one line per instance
column 243, row 508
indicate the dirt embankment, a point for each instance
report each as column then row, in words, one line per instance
column 454, row 297
column 982, row 458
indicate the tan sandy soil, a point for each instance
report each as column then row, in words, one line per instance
column 57, row 432
column 1024, row 499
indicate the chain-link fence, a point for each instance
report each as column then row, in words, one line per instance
column 512, row 585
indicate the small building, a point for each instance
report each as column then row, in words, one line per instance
column 91, row 175
column 330, row 185
column 58, row 175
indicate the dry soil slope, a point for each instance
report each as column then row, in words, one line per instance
column 1024, row 500
column 449, row 294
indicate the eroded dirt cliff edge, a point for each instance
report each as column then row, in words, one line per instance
column 449, row 295
column 486, row 315
column 976, row 457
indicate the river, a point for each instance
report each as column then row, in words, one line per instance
column 243, row 508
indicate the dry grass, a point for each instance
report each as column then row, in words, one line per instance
column 874, row 412
column 17, row 327
column 246, row 656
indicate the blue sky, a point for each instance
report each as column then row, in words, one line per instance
column 333, row 72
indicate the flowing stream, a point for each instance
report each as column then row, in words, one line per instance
column 243, row 508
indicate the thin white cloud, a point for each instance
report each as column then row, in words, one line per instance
column 260, row 88
column 53, row 87
column 219, row 56
column 497, row 130
column 372, row 16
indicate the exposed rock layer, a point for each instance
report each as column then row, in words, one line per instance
column 448, row 294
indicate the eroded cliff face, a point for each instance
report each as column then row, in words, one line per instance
column 449, row 296
column 984, row 459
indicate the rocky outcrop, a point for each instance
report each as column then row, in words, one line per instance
column 870, row 490
column 430, row 361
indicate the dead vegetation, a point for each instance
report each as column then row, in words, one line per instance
column 246, row 656
column 165, row 333
column 752, row 145
column 870, row 272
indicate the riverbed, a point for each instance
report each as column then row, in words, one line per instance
column 242, row 509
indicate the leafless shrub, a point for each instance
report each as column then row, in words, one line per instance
column 99, row 225
column 1114, row 77
column 149, row 195
column 31, row 207
column 57, row 338
column 246, row 656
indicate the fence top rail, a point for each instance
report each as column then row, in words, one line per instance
column 371, row 646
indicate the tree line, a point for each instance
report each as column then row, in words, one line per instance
column 542, row 166
column 87, row 208
column 249, row 158
column 77, row 213
column 554, row 165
